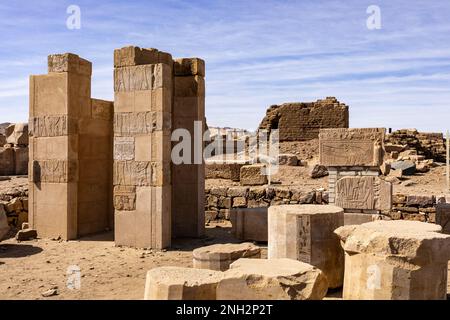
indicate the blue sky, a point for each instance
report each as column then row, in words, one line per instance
column 257, row 53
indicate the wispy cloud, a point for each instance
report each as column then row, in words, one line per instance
column 258, row 53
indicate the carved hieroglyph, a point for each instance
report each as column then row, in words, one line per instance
column 140, row 173
column 50, row 126
column 125, row 198
column 124, row 148
column 351, row 147
column 366, row 193
column 132, row 123
column 143, row 77
column 56, row 171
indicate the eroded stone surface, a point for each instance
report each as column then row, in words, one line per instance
column 176, row 283
column 275, row 279
column 253, row 175
column 305, row 233
column 398, row 260
column 220, row 256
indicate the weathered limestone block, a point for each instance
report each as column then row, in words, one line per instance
column 305, row 233
column 443, row 216
column 287, row 159
column 133, row 56
column 219, row 256
column 55, row 171
column 18, row 135
column 363, row 192
column 141, row 173
column 189, row 67
column 351, row 147
column 175, row 283
column 7, row 166
column 276, row 279
column 249, row 224
column 21, row 160
column 135, row 123
column 253, row 175
column 69, row 62
column 51, row 126
column 125, row 198
column 395, row 260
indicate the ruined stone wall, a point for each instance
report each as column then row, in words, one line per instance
column 302, row 121
column 14, row 150
column 428, row 144
column 70, row 158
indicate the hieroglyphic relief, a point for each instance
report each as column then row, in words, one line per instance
column 304, row 238
column 56, row 171
column 51, row 126
column 123, row 148
column 131, row 123
column 143, row 77
column 125, row 198
column 355, row 193
column 140, row 173
column 351, row 147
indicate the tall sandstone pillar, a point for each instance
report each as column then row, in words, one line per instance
column 143, row 86
column 188, row 179
column 70, row 153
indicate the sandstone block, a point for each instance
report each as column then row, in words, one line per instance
column 237, row 192
column 19, row 134
column 239, row 202
column 318, row 171
column 189, row 67
column 395, row 260
column 253, row 175
column 21, row 160
column 305, row 233
column 26, row 234
column 219, row 256
column 69, row 62
column 133, row 56
column 351, row 147
column 287, row 159
column 174, row 283
column 249, row 224
column 276, row 279
column 142, row 77
column 420, row 201
column 406, row 168
column 223, row 171
column 363, row 192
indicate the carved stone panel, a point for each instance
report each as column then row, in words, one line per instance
column 56, row 171
column 142, row 77
column 141, row 173
column 123, row 148
column 51, row 126
column 363, row 192
column 351, row 147
column 133, row 123
column 125, row 198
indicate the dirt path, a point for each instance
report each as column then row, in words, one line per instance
column 107, row 272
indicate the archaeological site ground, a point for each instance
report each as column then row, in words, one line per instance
column 144, row 197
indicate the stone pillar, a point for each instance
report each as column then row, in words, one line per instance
column 395, row 260
column 188, row 179
column 305, row 233
column 143, row 86
column 57, row 101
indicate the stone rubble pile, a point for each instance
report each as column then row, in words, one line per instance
column 14, row 150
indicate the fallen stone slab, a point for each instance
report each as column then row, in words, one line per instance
column 176, row 283
column 219, row 256
column 287, row 159
column 26, row 234
column 395, row 260
column 306, row 233
column 407, row 168
column 443, row 216
column 253, row 175
column 275, row 279
column 420, row 201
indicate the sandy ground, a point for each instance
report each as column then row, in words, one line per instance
column 107, row 272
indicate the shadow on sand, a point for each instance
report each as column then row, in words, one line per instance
column 18, row 250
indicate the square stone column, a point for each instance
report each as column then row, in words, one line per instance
column 70, row 158
column 305, row 233
column 143, row 86
column 188, row 179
